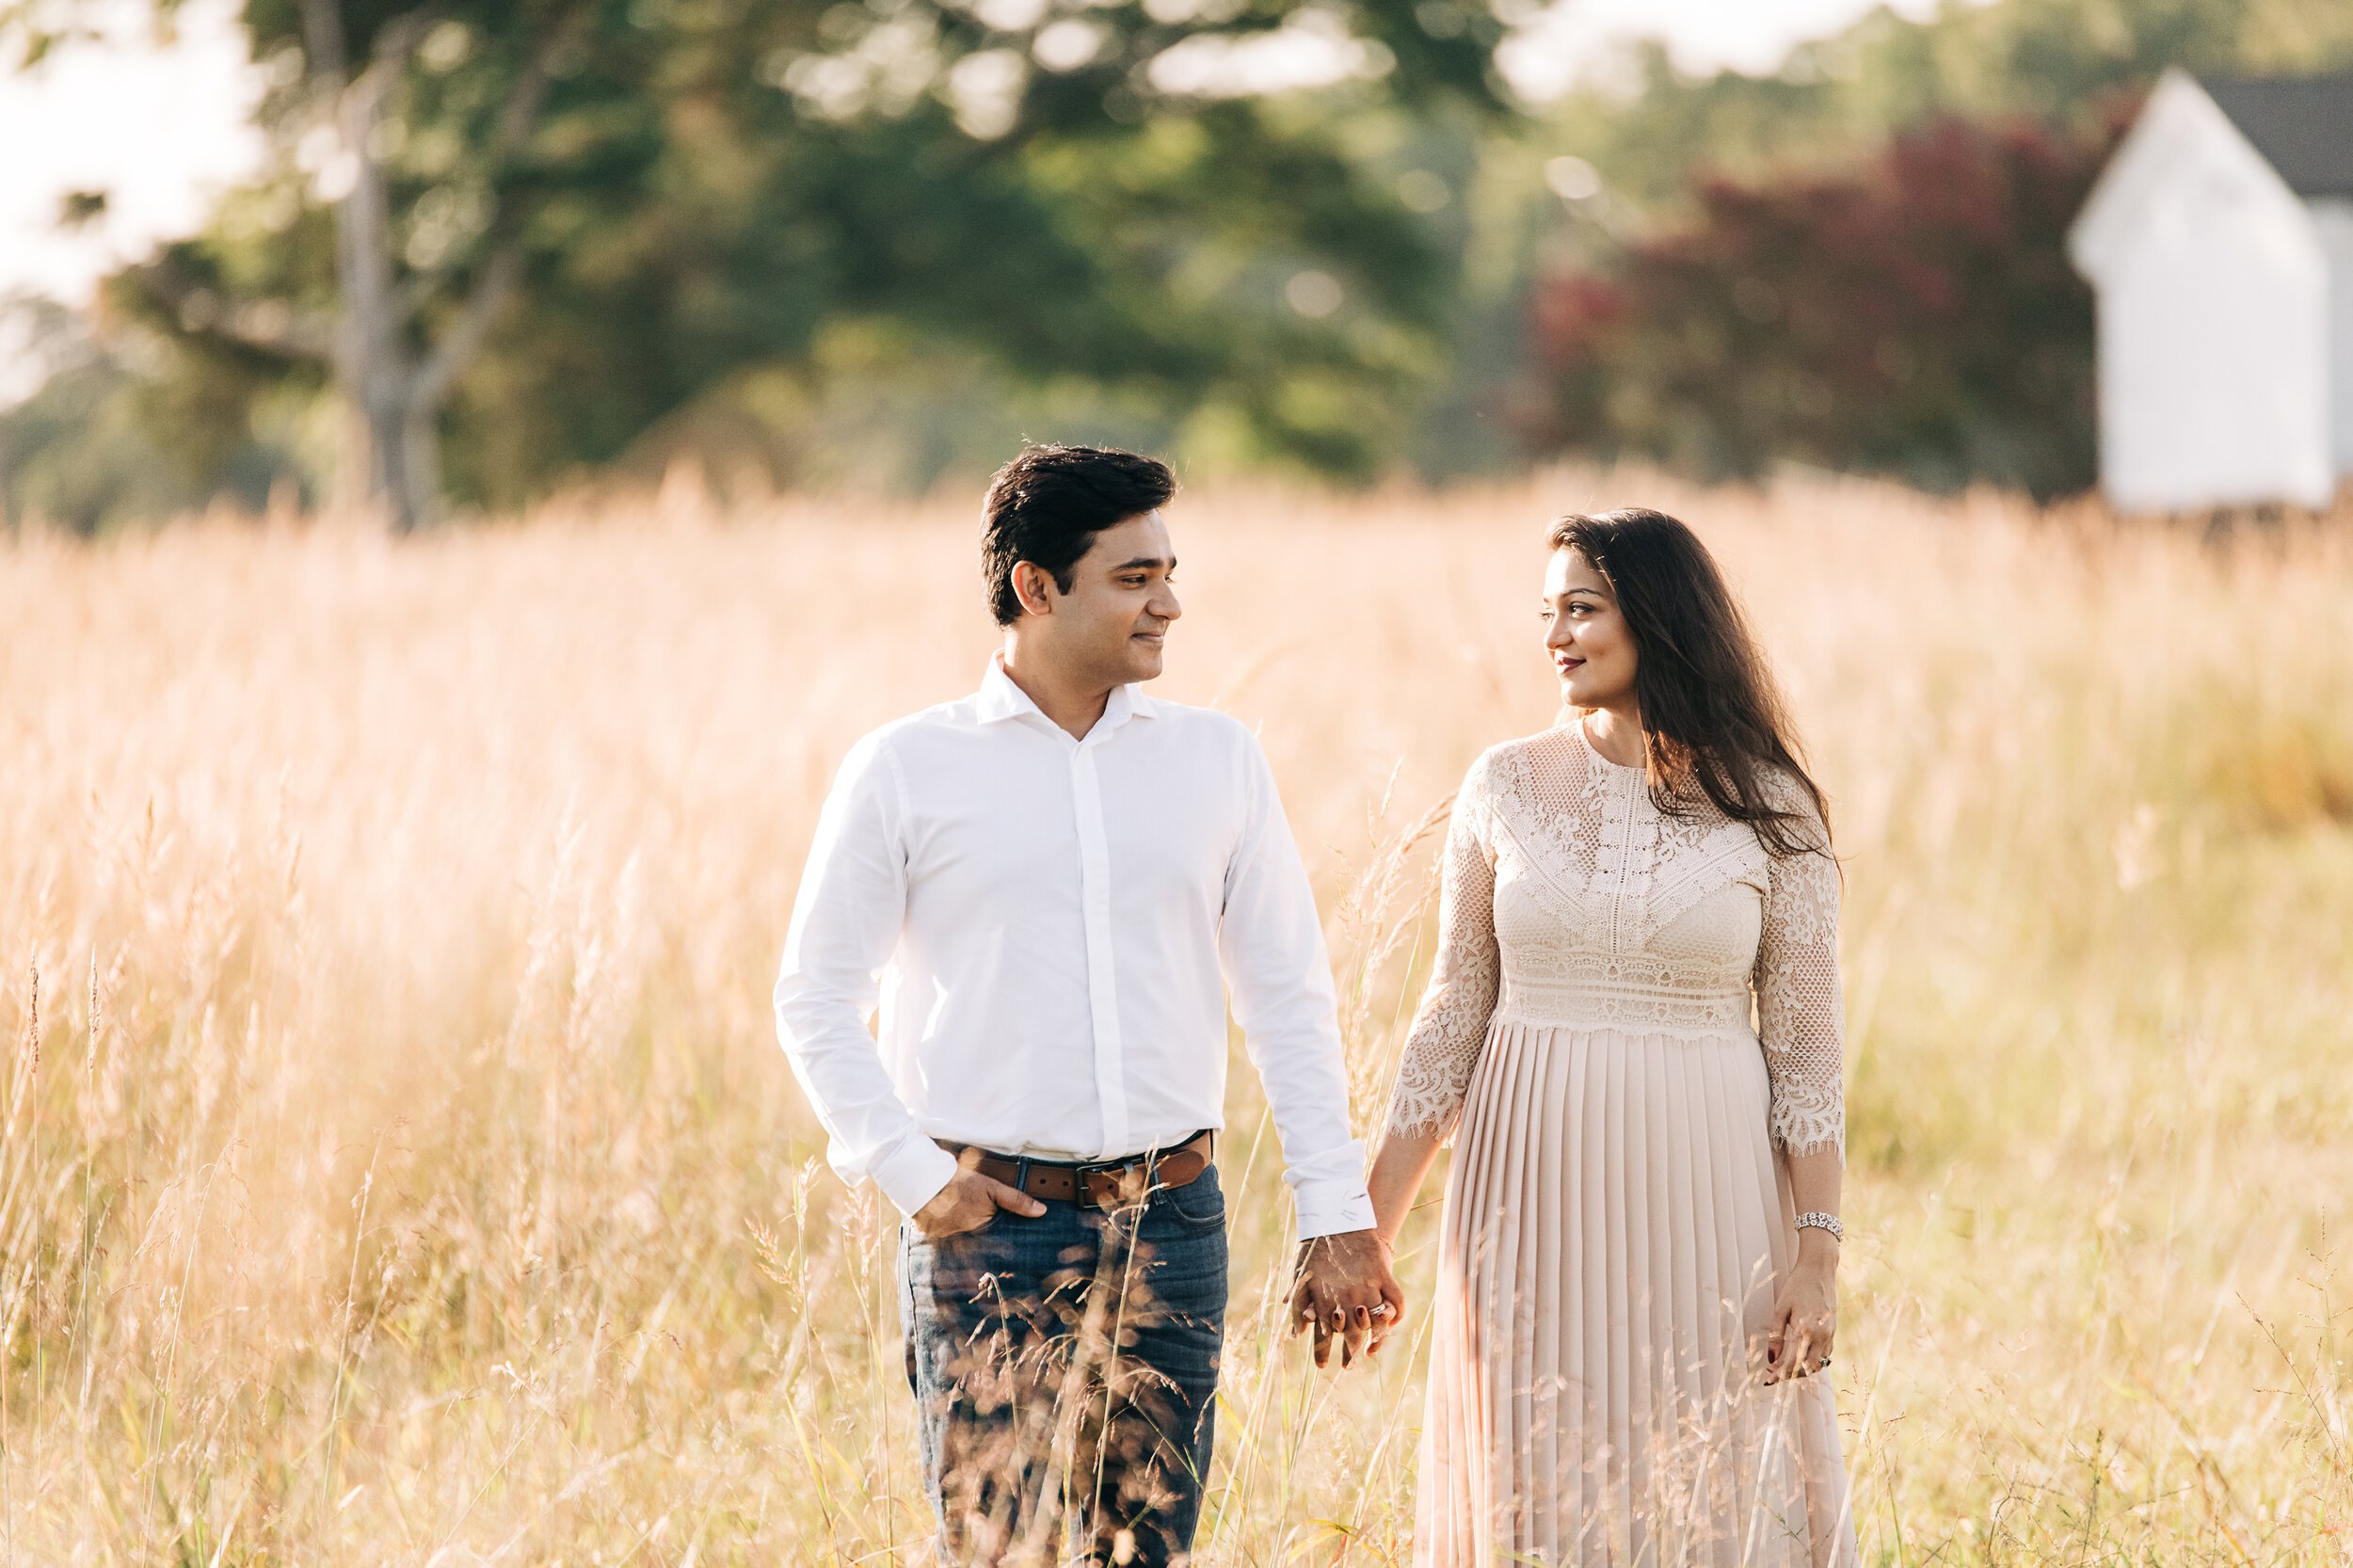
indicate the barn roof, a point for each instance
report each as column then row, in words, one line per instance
column 2303, row 125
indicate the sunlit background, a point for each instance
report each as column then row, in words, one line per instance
column 868, row 245
column 466, row 472
column 161, row 118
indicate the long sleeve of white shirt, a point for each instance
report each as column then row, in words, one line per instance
column 845, row 926
column 1279, row 977
column 1047, row 930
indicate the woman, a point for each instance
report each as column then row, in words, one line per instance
column 1637, row 1257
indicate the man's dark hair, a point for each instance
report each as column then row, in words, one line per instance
column 1047, row 506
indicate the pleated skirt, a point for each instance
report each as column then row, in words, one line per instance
column 1616, row 1223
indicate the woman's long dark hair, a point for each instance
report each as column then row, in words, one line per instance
column 1713, row 719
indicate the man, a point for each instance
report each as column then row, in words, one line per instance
column 1041, row 885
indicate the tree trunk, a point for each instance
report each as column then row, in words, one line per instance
column 385, row 467
column 378, row 465
column 376, row 372
column 421, row 464
column 393, row 388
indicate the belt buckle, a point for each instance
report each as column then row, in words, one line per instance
column 1121, row 1187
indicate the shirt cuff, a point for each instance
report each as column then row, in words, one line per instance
column 912, row 1172
column 1332, row 1206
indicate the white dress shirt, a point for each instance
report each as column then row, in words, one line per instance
column 1043, row 921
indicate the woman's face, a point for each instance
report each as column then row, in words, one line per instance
column 1591, row 647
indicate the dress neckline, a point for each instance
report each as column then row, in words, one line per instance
column 1595, row 752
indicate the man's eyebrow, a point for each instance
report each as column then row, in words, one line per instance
column 1169, row 564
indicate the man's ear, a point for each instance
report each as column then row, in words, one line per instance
column 1033, row 588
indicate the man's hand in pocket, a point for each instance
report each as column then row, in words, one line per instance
column 970, row 1200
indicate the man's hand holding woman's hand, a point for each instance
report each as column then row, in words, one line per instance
column 1344, row 1289
column 970, row 1200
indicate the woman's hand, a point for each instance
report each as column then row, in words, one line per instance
column 1805, row 1313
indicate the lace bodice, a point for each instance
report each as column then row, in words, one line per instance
column 1570, row 900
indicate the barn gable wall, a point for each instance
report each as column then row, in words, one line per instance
column 2332, row 220
column 2213, row 317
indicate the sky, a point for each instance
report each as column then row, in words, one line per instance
column 1703, row 36
column 162, row 128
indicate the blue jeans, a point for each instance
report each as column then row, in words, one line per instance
column 1065, row 1370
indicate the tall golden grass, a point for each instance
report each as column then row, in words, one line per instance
column 399, row 1167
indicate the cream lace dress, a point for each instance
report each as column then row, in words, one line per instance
column 1617, row 1215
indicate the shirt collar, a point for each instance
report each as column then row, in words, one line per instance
column 1000, row 698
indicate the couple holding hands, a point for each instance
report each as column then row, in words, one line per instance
column 1051, row 891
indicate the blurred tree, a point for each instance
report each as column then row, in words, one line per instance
column 529, row 230
column 101, row 442
column 1856, row 259
column 1918, row 318
column 1652, row 132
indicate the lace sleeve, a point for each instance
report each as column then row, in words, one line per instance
column 1801, row 1012
column 1451, row 1026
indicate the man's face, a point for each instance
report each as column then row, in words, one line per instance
column 1113, row 623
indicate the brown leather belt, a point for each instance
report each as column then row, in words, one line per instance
column 1099, row 1184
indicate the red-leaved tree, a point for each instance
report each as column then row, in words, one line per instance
column 1918, row 317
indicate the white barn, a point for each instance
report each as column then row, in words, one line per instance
column 2219, row 243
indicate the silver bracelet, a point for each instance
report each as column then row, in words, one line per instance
column 1820, row 1220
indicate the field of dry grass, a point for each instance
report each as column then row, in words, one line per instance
column 399, row 1167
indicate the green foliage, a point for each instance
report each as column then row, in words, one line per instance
column 1918, row 319
column 2063, row 63
column 1146, row 259
column 698, row 193
column 879, row 239
column 1744, row 288
column 100, row 441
